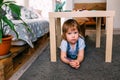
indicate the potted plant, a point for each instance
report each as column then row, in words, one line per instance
column 5, row 21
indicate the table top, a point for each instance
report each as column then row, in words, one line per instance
column 83, row 14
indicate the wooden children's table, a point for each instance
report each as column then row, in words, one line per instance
column 55, row 29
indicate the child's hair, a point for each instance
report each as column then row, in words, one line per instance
column 70, row 23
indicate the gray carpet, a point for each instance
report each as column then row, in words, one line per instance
column 93, row 67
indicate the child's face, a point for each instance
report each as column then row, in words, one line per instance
column 72, row 35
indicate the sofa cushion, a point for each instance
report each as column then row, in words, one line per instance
column 26, row 13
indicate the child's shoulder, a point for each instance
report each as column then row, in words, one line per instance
column 63, row 44
column 64, row 41
column 81, row 38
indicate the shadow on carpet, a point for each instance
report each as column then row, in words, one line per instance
column 94, row 66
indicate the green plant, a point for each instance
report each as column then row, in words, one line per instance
column 4, row 20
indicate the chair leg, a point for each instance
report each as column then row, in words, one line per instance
column 82, row 29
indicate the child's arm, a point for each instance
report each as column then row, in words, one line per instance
column 80, row 55
column 76, row 63
column 64, row 58
column 69, row 61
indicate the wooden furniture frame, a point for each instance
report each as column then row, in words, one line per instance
column 55, row 29
column 91, row 21
column 90, row 6
column 12, row 67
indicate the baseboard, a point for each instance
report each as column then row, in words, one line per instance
column 116, row 31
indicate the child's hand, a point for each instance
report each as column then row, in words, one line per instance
column 72, row 63
column 75, row 64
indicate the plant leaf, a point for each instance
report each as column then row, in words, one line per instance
column 1, row 31
column 10, row 24
column 6, row 2
column 15, row 9
column 1, row 1
column 0, row 35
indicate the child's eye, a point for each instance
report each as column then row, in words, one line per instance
column 75, row 32
column 69, row 33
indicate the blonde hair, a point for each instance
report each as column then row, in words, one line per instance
column 70, row 23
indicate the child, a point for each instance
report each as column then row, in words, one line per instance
column 72, row 45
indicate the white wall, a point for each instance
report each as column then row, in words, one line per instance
column 43, row 5
column 9, row 0
column 114, row 5
column 111, row 5
column 20, row 2
column 69, row 5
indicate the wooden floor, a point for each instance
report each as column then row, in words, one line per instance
column 9, row 67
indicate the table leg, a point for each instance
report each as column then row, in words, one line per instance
column 58, row 31
column 52, row 40
column 109, row 38
column 98, row 32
